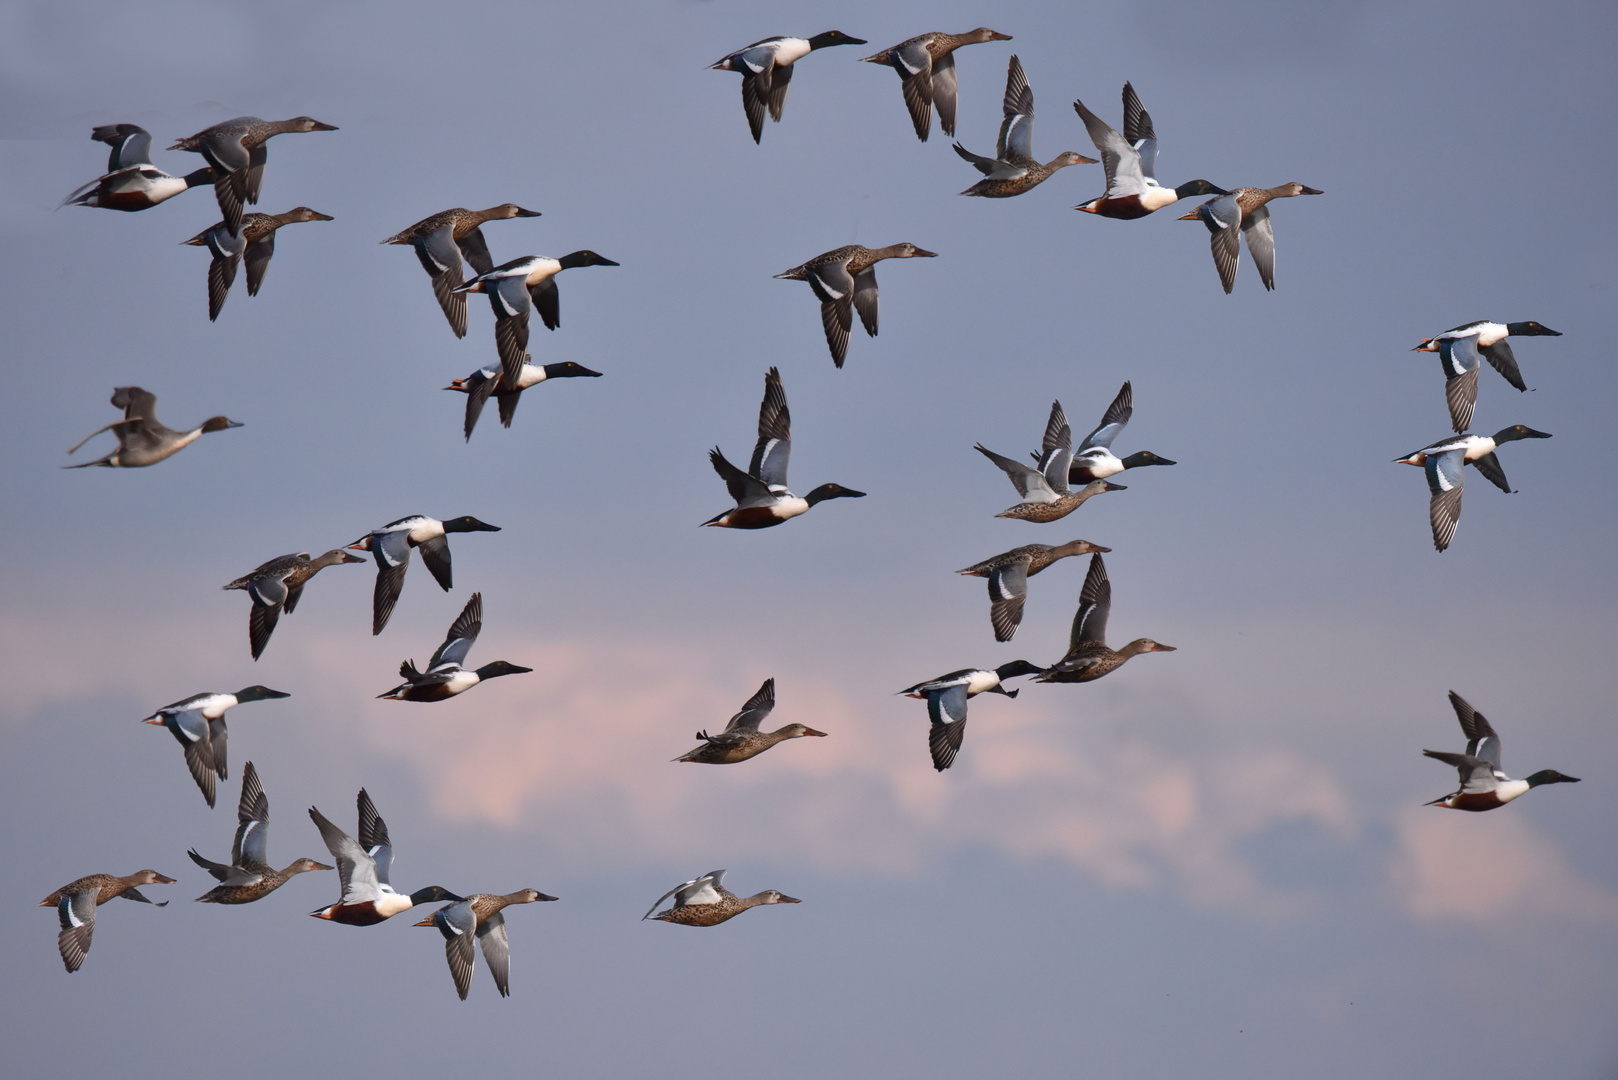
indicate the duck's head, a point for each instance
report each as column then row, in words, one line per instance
column 1518, row 431
column 771, row 896
column 258, row 693
column 218, row 423
column 337, row 557
column 303, row 213
column 308, row 123
column 908, row 250
column 567, row 369
column 1193, row 188
column 1427, row 345
column 1531, row 329
column 1286, row 191
column 831, row 491
column 1146, row 457
column 584, row 258
column 1145, row 645
column 509, row 210
column 303, row 866
column 834, row 37
column 1550, row 776
column 1077, row 547
column 434, row 894
column 499, row 668
column 529, row 896
column 1071, row 157
column 798, row 731
column 466, row 523
column 1019, row 667
column 982, row 34
column 152, row 877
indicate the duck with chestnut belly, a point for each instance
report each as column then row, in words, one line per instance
column 1459, row 351
column 844, row 280
column 444, row 241
column 362, row 868
column 517, row 288
column 1094, row 460
column 741, row 738
column 249, row 876
column 391, row 545
column 255, row 242
column 1445, row 464
column 198, row 724
column 143, row 439
column 479, row 916
column 1131, row 163
column 1045, row 491
column 491, row 380
column 1483, row 785
column 76, row 904
column 946, row 698
column 276, row 586
column 704, row 901
column 237, row 153
column 444, row 677
column 766, row 70
column 926, row 67
column 1008, row 575
column 1243, row 211
column 131, row 181
column 1013, row 169
column 1088, row 657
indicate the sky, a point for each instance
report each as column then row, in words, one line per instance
column 1213, row 862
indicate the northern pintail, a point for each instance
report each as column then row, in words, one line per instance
column 491, row 380
column 1243, row 210
column 741, row 738
column 131, row 181
column 198, row 724
column 1045, row 491
column 237, row 153
column 479, row 916
column 1483, row 785
column 926, row 67
column 766, row 70
column 1008, row 575
column 390, row 546
column 1094, row 459
column 142, row 438
column 704, row 901
column 1445, row 463
column 1459, row 350
column 76, row 904
column 1013, row 169
column 1131, row 163
column 844, row 280
column 276, row 586
column 249, row 875
column 761, row 494
column 946, row 698
column 362, row 869
column 516, row 288
column 1087, row 656
column 447, row 238
column 444, row 676
column 255, row 242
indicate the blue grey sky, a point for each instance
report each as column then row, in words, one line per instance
column 1213, row 862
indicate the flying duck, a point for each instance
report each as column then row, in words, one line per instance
column 76, row 904
column 1045, row 493
column 1131, row 163
column 1483, row 785
column 946, row 698
column 1095, row 460
column 1008, row 575
column 516, row 288
column 256, row 240
column 390, row 546
column 1459, row 350
column 276, row 586
column 1244, row 207
column 237, row 153
column 447, row 238
column 1013, row 169
column 491, row 380
column 766, row 70
column 845, row 279
column 761, row 494
column 741, row 738
column 249, row 876
column 445, row 677
column 362, row 868
column 142, row 438
column 926, row 67
column 479, row 916
column 131, row 181
column 1445, row 461
column 1088, row 657
column 198, row 724
column 704, row 901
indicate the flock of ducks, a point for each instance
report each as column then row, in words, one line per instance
column 1058, row 481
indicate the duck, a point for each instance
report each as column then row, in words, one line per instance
column 517, row 287
column 491, row 380
column 741, row 738
column 390, row 546
column 1459, row 349
column 1088, row 657
column 76, row 904
column 1131, row 163
column 1244, row 207
column 445, row 677
column 444, row 240
column 761, row 494
column 1045, row 493
column 926, row 67
column 1094, row 460
column 275, row 587
column 766, row 70
column 1444, row 462
column 362, row 868
column 235, row 149
column 256, row 241
column 704, row 901
column 132, row 182
column 1008, row 575
column 946, row 698
column 198, row 724
column 1013, row 169
column 249, row 875
column 1483, row 785
column 142, row 438
column 479, row 916
column 843, row 280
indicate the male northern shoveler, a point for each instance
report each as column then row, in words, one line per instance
column 491, row 380
column 1094, row 460
column 444, row 676
column 844, row 280
column 1243, row 209
column 198, row 724
column 1045, row 492
column 277, row 585
column 946, row 698
column 479, row 916
column 1131, row 163
column 391, row 544
column 926, row 67
column 131, row 181
column 517, row 287
column 1483, row 785
column 249, row 875
column 1445, row 463
column 237, row 153
column 1459, row 350
column 1088, row 657
column 446, row 239
column 76, row 904
column 704, row 901
column 766, row 70
column 1008, row 575
column 741, row 738
column 362, row 868
column 142, row 438
column 761, row 494
column 1013, row 169
column 255, row 242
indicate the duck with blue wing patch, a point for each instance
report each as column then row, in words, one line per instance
column 1045, row 493
column 1013, row 169
column 844, row 281
column 131, row 182
column 237, row 153
column 742, row 738
column 249, row 876
column 1130, row 160
column 276, row 586
column 491, row 381
column 390, row 546
column 1484, row 786
column 444, row 676
column 946, row 698
column 479, row 917
column 76, row 904
column 363, row 869
column 926, row 67
column 517, row 288
column 705, row 901
column 445, row 240
column 1445, row 463
column 1008, row 575
column 1088, row 657
column 1460, row 349
column 198, row 724
column 766, row 69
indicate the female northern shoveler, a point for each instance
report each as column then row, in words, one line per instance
column 362, row 868
column 1008, row 575
column 1483, row 785
column 1088, row 657
column 445, row 677
column 198, row 724
column 249, row 876
column 761, row 494
column 491, row 380
column 276, row 587
column 704, row 901
column 76, row 904
column 926, row 67
column 766, row 70
column 391, row 545
column 1013, row 169
column 1243, row 209
column 516, row 288
column 237, row 153
column 741, row 738
column 844, row 280
column 1095, row 460
column 447, row 238
column 1445, row 463
column 946, row 698
column 1045, row 492
column 1459, row 350
column 131, row 181
column 1131, row 163
column 142, row 438
column 255, row 241
column 479, row 916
